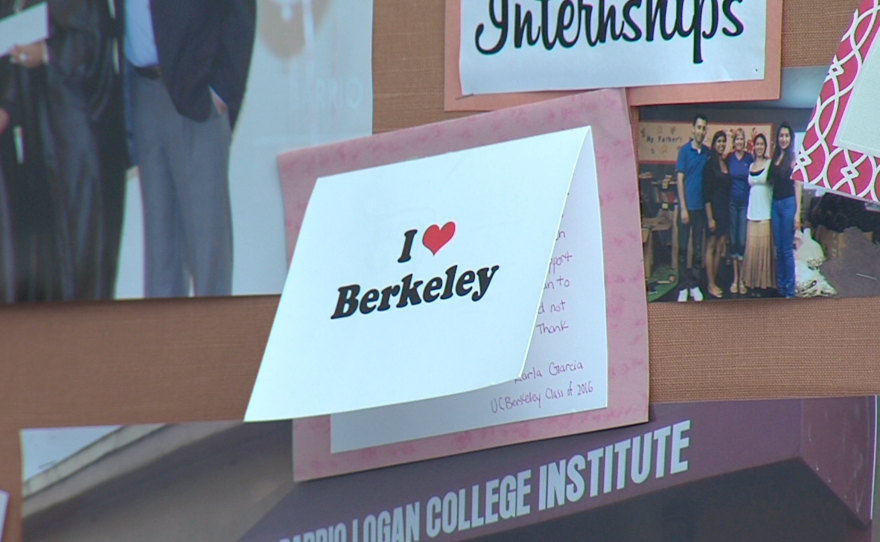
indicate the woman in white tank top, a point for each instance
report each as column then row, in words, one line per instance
column 758, row 264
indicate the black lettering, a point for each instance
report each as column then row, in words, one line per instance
column 630, row 22
column 657, row 14
column 586, row 12
column 608, row 19
column 387, row 293
column 522, row 27
column 695, row 28
column 433, row 285
column 407, row 245
column 500, row 24
column 679, row 19
column 409, row 292
column 370, row 297
column 564, row 20
column 545, row 26
column 713, row 28
column 573, row 21
column 485, row 277
column 450, row 280
column 347, row 302
column 738, row 26
column 462, row 288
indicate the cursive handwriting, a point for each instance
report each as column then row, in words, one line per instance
column 597, row 22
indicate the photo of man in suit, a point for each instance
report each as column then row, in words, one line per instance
column 189, row 64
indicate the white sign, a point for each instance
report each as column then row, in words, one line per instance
column 567, row 366
column 416, row 280
column 26, row 27
column 514, row 46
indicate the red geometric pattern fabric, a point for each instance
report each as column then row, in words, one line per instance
column 821, row 162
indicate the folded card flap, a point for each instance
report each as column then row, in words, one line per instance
column 416, row 279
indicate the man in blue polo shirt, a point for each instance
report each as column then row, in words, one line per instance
column 692, row 159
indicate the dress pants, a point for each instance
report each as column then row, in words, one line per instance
column 184, row 174
column 690, row 277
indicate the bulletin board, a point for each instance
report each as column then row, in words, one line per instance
column 71, row 364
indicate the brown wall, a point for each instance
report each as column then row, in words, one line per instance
column 196, row 359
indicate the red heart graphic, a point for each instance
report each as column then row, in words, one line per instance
column 436, row 237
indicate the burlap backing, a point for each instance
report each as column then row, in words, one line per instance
column 196, row 359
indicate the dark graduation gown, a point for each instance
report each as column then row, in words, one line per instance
column 70, row 156
column 7, row 248
column 26, row 153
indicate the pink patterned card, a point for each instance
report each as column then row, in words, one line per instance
column 824, row 160
column 607, row 114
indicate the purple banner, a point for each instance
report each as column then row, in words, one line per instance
column 463, row 497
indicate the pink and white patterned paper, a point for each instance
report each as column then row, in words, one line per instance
column 821, row 162
column 607, row 114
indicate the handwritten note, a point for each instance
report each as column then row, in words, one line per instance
column 659, row 142
column 566, row 369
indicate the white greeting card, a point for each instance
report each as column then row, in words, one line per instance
column 566, row 369
column 416, row 280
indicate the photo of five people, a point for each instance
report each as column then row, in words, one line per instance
column 722, row 217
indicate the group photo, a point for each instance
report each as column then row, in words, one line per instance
column 723, row 219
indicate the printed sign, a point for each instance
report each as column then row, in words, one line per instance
column 511, row 46
column 567, row 367
column 685, row 450
column 530, row 491
column 417, row 279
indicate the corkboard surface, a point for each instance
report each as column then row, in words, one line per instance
column 196, row 359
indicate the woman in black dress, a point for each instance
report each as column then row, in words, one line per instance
column 716, row 195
